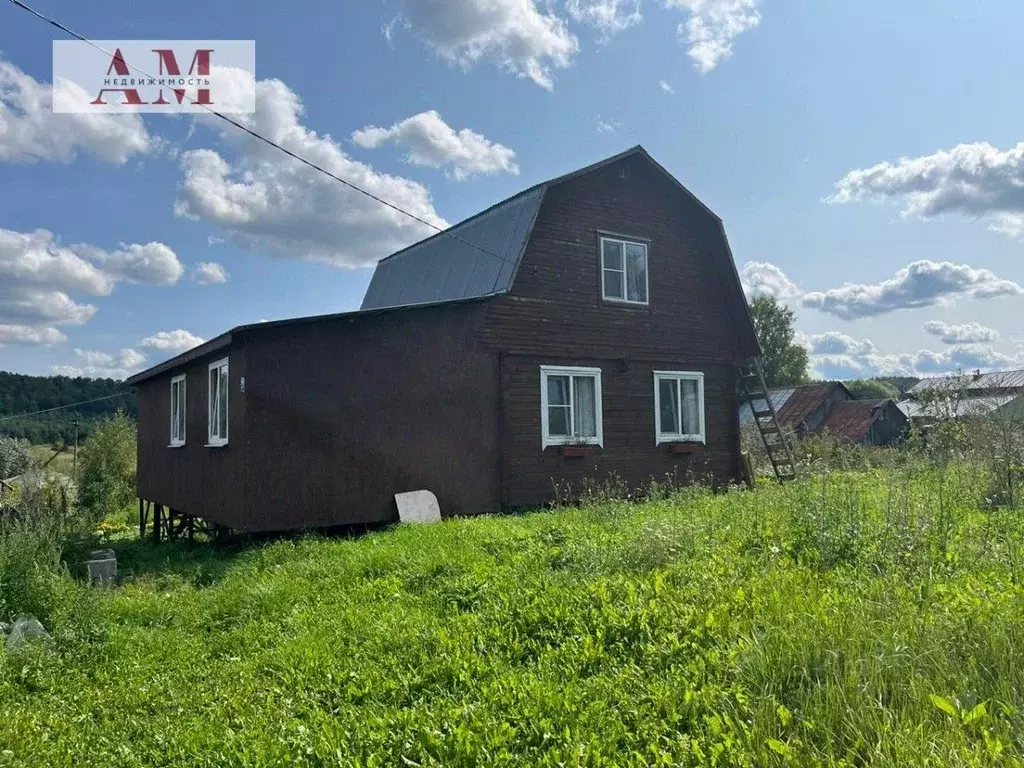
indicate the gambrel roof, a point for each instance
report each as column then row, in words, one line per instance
column 480, row 256
column 474, row 260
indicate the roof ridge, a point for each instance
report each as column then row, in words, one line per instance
column 637, row 148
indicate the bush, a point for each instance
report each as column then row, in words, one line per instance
column 37, row 524
column 15, row 457
column 107, row 468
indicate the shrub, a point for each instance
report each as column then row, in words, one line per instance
column 15, row 457
column 107, row 468
column 38, row 523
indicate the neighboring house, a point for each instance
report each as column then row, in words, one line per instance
column 867, row 422
column 965, row 396
column 802, row 409
column 811, row 408
column 587, row 328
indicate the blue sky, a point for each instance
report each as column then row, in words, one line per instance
column 779, row 114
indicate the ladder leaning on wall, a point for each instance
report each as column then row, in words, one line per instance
column 754, row 391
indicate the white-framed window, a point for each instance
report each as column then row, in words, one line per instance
column 217, row 418
column 678, row 407
column 570, row 406
column 623, row 271
column 178, row 410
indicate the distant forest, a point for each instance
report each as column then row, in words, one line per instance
column 21, row 394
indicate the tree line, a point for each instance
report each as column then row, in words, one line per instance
column 21, row 394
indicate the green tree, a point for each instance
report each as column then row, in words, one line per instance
column 872, row 389
column 106, row 482
column 784, row 362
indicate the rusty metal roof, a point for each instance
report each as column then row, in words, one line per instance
column 851, row 419
column 803, row 401
column 793, row 404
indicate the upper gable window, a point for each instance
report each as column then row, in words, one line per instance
column 623, row 271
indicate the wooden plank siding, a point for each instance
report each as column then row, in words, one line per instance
column 346, row 413
column 555, row 315
column 555, row 301
column 194, row 477
column 629, row 455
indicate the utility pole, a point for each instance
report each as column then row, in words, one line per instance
column 75, row 464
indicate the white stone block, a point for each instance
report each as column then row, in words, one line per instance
column 418, row 507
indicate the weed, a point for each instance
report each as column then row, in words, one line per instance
column 870, row 617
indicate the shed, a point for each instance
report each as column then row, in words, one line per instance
column 867, row 422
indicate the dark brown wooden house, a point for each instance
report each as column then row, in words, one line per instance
column 586, row 328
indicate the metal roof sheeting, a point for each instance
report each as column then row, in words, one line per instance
column 778, row 398
column 966, row 407
column 852, row 419
column 443, row 268
column 968, row 382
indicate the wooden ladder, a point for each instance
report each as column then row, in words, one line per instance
column 755, row 392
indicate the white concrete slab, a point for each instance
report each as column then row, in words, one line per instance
column 418, row 507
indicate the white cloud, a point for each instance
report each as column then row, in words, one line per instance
column 760, row 278
column 269, row 201
column 20, row 305
column 975, row 180
column 35, row 259
column 712, row 26
column 31, row 132
column 171, row 341
column 27, row 334
column 606, row 126
column 838, row 356
column 835, row 343
column 102, row 365
column 609, row 16
column 514, row 35
column 210, row 273
column 431, row 142
column 153, row 263
column 667, row 87
column 919, row 284
column 966, row 333
column 38, row 277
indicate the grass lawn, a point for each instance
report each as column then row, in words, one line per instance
column 875, row 618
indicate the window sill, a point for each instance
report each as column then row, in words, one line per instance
column 176, row 445
column 216, row 445
column 577, row 451
column 685, row 447
column 626, row 303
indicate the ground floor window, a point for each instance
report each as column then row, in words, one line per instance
column 178, row 410
column 570, row 406
column 679, row 406
column 218, row 403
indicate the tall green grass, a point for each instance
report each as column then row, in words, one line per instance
column 874, row 618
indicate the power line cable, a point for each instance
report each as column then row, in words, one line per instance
column 265, row 140
column 62, row 407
